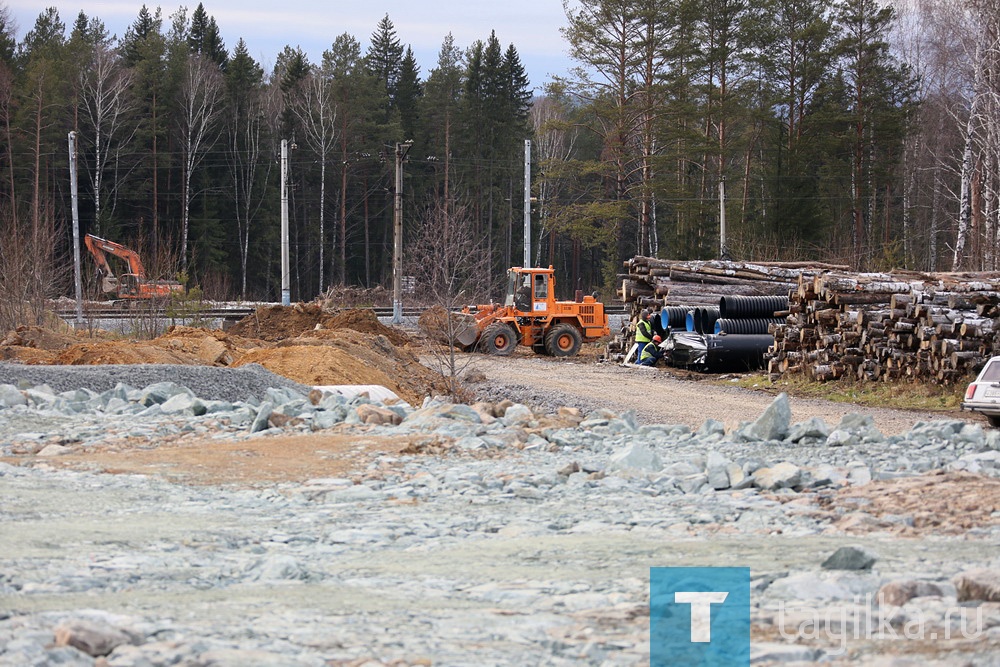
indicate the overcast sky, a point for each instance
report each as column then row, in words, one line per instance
column 267, row 26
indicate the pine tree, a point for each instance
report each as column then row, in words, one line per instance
column 384, row 60
column 440, row 108
column 408, row 94
column 881, row 89
column 204, row 38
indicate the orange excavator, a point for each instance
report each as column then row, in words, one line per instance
column 132, row 285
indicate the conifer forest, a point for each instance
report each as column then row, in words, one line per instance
column 859, row 132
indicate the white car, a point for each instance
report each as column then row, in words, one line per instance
column 983, row 395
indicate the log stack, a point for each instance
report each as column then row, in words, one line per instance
column 936, row 327
column 652, row 283
column 888, row 326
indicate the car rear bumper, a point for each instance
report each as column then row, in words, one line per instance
column 987, row 408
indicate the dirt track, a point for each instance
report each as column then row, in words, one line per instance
column 657, row 396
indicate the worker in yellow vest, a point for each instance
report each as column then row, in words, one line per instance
column 643, row 332
column 651, row 353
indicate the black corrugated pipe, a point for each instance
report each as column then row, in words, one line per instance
column 746, row 307
column 736, row 353
column 706, row 319
column 673, row 317
column 691, row 320
column 757, row 325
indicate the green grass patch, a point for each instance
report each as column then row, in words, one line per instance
column 901, row 395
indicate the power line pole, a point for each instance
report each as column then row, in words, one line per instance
column 74, row 191
column 723, row 249
column 286, row 276
column 527, row 203
column 397, row 229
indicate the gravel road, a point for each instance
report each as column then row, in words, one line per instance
column 657, row 396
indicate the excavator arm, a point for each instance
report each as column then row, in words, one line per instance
column 131, row 285
column 98, row 246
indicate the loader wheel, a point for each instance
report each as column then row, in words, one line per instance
column 563, row 340
column 498, row 339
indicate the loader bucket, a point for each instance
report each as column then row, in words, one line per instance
column 466, row 331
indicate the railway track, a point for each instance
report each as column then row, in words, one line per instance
column 228, row 314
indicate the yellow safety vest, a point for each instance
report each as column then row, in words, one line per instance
column 643, row 331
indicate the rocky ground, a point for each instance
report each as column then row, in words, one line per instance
column 156, row 525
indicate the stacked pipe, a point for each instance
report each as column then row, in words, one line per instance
column 888, row 326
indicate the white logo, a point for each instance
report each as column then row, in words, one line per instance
column 701, row 611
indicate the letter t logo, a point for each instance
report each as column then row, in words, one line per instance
column 701, row 611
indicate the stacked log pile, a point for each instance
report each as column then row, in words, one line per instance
column 652, row 283
column 887, row 327
column 936, row 327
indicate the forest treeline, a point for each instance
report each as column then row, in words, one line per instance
column 838, row 130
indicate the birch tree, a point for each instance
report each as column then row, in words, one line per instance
column 107, row 107
column 200, row 93
column 317, row 113
column 246, row 132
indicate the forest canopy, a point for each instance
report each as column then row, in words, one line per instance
column 838, row 130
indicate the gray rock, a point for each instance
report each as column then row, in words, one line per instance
column 775, row 653
column 850, row 558
column 515, row 414
column 773, row 423
column 278, row 568
column 11, row 396
column 842, row 438
column 637, row 457
column 55, row 450
column 711, row 427
column 183, row 403
column 263, row 414
column 898, row 593
column 982, row 584
column 808, row 586
column 859, row 474
column 717, row 467
column 814, row 429
column 862, row 426
column 783, row 475
column 94, row 639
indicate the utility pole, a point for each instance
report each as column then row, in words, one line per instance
column 74, row 192
column 723, row 250
column 527, row 203
column 397, row 231
column 286, row 276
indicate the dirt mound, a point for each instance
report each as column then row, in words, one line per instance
column 27, row 355
column 365, row 322
column 210, row 346
column 39, row 338
column 274, row 323
column 316, row 347
column 322, row 364
column 123, row 352
column 374, row 360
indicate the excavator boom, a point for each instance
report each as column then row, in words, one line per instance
column 132, row 285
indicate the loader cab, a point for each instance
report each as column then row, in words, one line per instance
column 528, row 290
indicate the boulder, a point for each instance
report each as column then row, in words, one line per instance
column 783, row 475
column 373, row 414
column 980, row 584
column 850, row 558
column 637, row 457
column 94, row 639
column 897, row 593
column 773, row 424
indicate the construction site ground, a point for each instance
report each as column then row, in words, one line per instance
column 309, row 345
